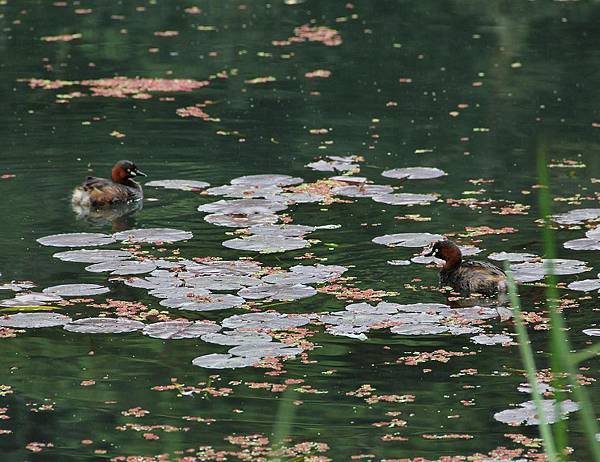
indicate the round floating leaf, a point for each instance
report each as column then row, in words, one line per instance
column 355, row 180
column 348, row 331
column 408, row 239
column 122, row 267
column 281, row 230
column 333, row 165
column 281, row 292
column 534, row 271
column 76, row 240
column 225, row 267
column 511, row 256
column 592, row 332
column 30, row 299
column 243, row 191
column 301, row 197
column 211, row 302
column 405, row 199
column 266, row 244
column 183, row 185
column 153, row 235
column 241, row 220
column 398, row 262
column 575, row 217
column 586, row 285
column 267, row 180
column 33, row 320
column 265, row 350
column 367, row 190
column 267, row 320
column 92, row 256
column 237, row 337
column 414, row 173
column 491, row 339
column 223, row 361
column 526, row 413
column 583, row 244
column 419, row 329
column 180, row 329
column 243, row 207
column 223, row 282
column 306, row 274
column 594, row 233
column 76, row 290
column 104, row 326
column 174, row 292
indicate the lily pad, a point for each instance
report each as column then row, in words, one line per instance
column 414, row 173
column 243, row 207
column 153, row 235
column 240, row 220
column 284, row 230
column 266, row 244
column 77, row 240
column 92, row 256
column 225, row 267
column 576, row 217
column 34, row 320
column 243, row 191
column 405, row 199
column 593, row 233
column 31, row 298
column 367, row 190
column 491, row 339
column 334, row 164
column 76, row 290
column 534, row 271
column 583, row 244
column 512, row 256
column 182, row 185
column 223, row 282
column 283, row 292
column 122, row 267
column 174, row 292
column 265, row 320
column 265, row 350
column 306, row 274
column 223, row 361
column 585, row 285
column 175, row 330
column 210, row 302
column 408, row 239
column 237, row 337
column 419, row 329
column 300, row 197
column 104, row 326
column 592, row 332
column 267, row 180
column 526, row 413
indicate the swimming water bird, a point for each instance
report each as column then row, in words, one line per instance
column 467, row 276
column 102, row 192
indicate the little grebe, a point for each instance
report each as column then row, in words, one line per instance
column 101, row 192
column 467, row 276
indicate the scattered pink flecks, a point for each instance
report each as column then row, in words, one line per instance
column 405, row 80
column 321, row 73
column 61, row 38
column 7, row 176
column 318, row 131
column 166, row 33
column 87, row 383
column 448, row 436
column 35, row 446
column 117, row 134
column 442, row 356
column 258, row 80
column 135, row 412
column 473, row 231
column 193, row 10
column 596, row 124
column 151, row 436
column 192, row 111
column 323, row 34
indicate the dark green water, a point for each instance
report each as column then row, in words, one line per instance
column 528, row 72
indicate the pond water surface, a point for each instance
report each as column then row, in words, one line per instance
column 477, row 89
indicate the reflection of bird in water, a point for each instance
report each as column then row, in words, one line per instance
column 467, row 276
column 101, row 201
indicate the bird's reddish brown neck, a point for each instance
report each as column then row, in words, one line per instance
column 453, row 257
column 119, row 175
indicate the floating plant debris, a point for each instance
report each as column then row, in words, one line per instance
column 92, row 256
column 414, row 173
column 103, row 326
column 76, row 290
column 266, row 244
column 77, row 240
column 34, row 320
column 408, row 239
column 281, row 292
column 153, row 235
column 223, row 361
column 182, row 185
column 180, row 329
column 405, row 199
column 526, row 413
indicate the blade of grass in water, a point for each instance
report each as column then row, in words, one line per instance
column 562, row 361
column 529, row 362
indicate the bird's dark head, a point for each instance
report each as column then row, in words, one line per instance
column 125, row 170
column 447, row 251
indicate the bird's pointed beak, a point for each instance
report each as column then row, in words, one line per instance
column 428, row 252
column 138, row 172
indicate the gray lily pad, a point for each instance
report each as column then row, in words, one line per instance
column 265, row 320
column 76, row 290
column 284, row 230
column 175, row 330
column 334, row 165
column 592, row 332
column 76, row 240
column 283, row 292
column 182, row 185
column 153, row 235
column 593, row 233
column 32, row 298
column 34, row 320
column 354, row 180
column 367, row 190
column 244, row 191
column 405, row 199
column 237, row 337
column 585, row 285
column 419, row 329
column 398, row 262
column 512, row 256
column 104, row 326
column 408, row 239
column 526, row 413
column 225, row 267
column 301, row 197
column 576, row 217
column 240, row 221
column 583, row 244
column 17, row 286
column 266, row 244
column 265, row 350
column 306, row 274
column 174, row 292
column 414, row 173
column 243, row 207
column 491, row 339
column 122, row 267
column 223, row 282
column 210, row 302
column 534, row 271
column 348, row 331
column 267, row 180
column 223, row 361
column 92, row 256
